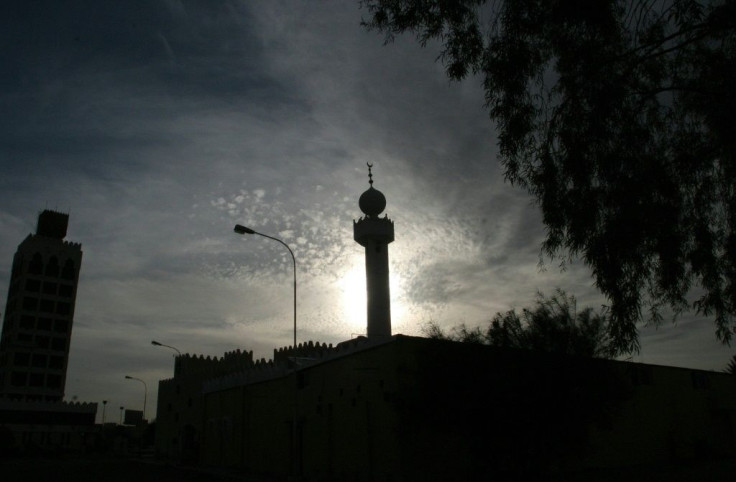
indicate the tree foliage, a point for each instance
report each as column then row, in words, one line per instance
column 731, row 367
column 618, row 117
column 553, row 325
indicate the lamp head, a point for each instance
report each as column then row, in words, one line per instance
column 240, row 229
column 127, row 377
column 155, row 343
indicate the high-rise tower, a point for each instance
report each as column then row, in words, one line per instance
column 34, row 348
column 375, row 234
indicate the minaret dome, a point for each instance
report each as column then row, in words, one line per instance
column 372, row 202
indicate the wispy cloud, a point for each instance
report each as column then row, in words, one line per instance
column 159, row 128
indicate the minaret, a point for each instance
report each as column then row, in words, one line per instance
column 374, row 234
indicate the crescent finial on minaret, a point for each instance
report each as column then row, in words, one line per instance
column 370, row 174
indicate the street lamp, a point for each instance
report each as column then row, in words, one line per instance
column 121, row 415
column 245, row 230
column 104, row 404
column 240, row 229
column 145, row 393
column 155, row 343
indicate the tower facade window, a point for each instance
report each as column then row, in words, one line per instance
column 47, row 306
column 53, row 381
column 58, row 344
column 44, row 324
column 30, row 303
column 63, row 308
column 52, row 268
column 36, row 264
column 36, row 380
column 33, row 285
column 56, row 362
column 49, row 288
column 66, row 291
column 61, row 326
column 38, row 360
column 18, row 379
column 21, row 359
column 27, row 322
column 68, row 271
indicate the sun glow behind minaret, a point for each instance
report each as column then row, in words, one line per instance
column 354, row 296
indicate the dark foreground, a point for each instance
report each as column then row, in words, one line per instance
column 108, row 469
column 119, row 469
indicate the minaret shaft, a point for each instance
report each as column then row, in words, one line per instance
column 375, row 234
column 379, row 293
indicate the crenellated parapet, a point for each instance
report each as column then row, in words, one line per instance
column 232, row 361
column 73, row 245
column 66, row 244
column 306, row 350
column 280, row 365
column 236, row 360
column 306, row 355
column 238, row 368
column 48, row 406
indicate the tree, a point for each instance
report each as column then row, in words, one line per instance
column 532, row 407
column 731, row 367
column 553, row 325
column 618, row 117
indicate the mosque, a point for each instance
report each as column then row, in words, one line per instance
column 388, row 407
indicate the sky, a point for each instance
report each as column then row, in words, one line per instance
column 158, row 125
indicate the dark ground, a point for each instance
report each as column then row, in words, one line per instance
column 108, row 469
column 123, row 469
column 700, row 471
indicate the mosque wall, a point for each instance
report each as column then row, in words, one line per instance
column 392, row 410
column 179, row 408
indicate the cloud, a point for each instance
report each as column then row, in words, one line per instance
column 159, row 128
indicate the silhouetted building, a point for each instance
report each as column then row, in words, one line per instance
column 405, row 408
column 375, row 234
column 40, row 426
column 133, row 417
column 179, row 409
column 398, row 408
column 34, row 349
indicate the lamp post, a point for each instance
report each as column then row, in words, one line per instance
column 121, row 415
column 240, row 229
column 155, row 343
column 244, row 230
column 145, row 393
column 104, row 404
